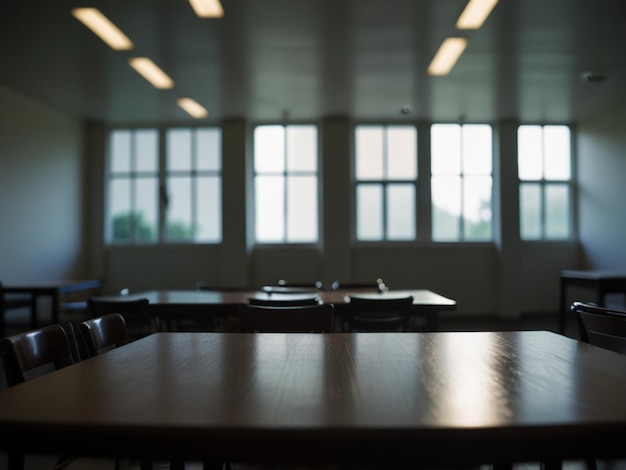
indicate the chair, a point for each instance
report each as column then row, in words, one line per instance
column 103, row 333
column 135, row 313
column 377, row 285
column 285, row 301
column 309, row 285
column 368, row 314
column 295, row 319
column 30, row 354
column 601, row 326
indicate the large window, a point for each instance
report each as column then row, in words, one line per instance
column 545, row 170
column 461, row 184
column 182, row 203
column 386, row 179
column 286, row 184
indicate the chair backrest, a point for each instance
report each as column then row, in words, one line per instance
column 369, row 314
column 103, row 333
column 301, row 284
column 33, row 353
column 600, row 326
column 285, row 301
column 302, row 319
column 377, row 285
column 135, row 313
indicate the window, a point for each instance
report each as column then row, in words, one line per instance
column 286, row 183
column 544, row 168
column 186, row 196
column 386, row 180
column 461, row 184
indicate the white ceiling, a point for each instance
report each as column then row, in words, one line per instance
column 305, row 59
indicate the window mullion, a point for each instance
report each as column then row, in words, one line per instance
column 163, row 189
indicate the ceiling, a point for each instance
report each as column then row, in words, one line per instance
column 280, row 60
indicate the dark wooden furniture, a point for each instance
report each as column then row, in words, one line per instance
column 103, row 333
column 31, row 354
column 54, row 290
column 316, row 318
column 601, row 282
column 375, row 314
column 600, row 326
column 340, row 398
column 170, row 305
column 137, row 318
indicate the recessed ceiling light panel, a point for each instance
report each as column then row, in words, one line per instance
column 447, row 55
column 193, row 108
column 102, row 27
column 151, row 72
column 475, row 14
column 207, row 8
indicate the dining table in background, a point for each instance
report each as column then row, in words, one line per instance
column 384, row 399
column 601, row 282
column 51, row 289
column 172, row 305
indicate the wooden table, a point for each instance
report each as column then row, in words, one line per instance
column 51, row 289
column 601, row 282
column 432, row 399
column 172, row 304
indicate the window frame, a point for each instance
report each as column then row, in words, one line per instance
column 162, row 174
column 462, row 176
column 384, row 184
column 260, row 244
column 544, row 183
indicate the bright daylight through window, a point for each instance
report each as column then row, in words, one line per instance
column 286, row 184
column 186, row 196
column 386, row 179
column 544, row 166
column 461, row 167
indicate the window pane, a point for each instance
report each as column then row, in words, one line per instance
column 147, row 150
column 557, row 212
column 270, row 208
column 401, row 152
column 302, row 208
column 369, row 152
column 530, row 152
column 400, row 212
column 146, row 205
column 179, row 149
column 302, row 148
column 557, row 152
column 179, row 214
column 477, row 208
column 477, row 149
column 446, row 211
column 120, row 209
column 269, row 149
column 445, row 149
column 208, row 149
column 530, row 211
column 209, row 209
column 369, row 208
column 120, row 151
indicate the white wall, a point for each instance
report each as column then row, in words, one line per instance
column 602, row 189
column 41, row 193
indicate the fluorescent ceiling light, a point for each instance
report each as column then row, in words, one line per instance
column 149, row 70
column 207, row 8
column 447, row 55
column 475, row 14
column 192, row 107
column 103, row 28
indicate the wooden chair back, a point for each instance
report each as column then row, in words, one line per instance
column 32, row 353
column 368, row 314
column 600, row 326
column 135, row 313
column 377, row 285
column 295, row 319
column 103, row 333
column 294, row 300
